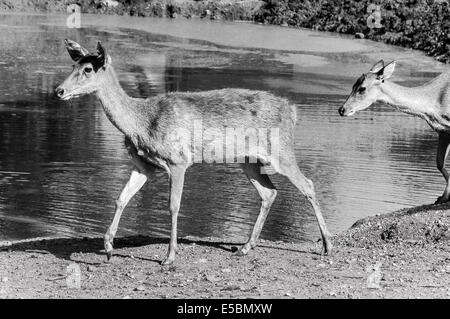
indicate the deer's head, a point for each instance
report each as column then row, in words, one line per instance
column 367, row 88
column 87, row 73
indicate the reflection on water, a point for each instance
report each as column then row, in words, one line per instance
column 62, row 163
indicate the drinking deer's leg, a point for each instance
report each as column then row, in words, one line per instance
column 267, row 192
column 176, row 190
column 134, row 184
column 442, row 153
column 306, row 187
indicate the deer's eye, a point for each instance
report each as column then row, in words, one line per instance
column 88, row 70
column 361, row 90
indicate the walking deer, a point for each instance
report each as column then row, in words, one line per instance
column 158, row 134
column 430, row 101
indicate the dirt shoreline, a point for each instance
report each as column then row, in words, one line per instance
column 409, row 248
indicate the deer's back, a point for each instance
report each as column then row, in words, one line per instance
column 226, row 107
column 172, row 119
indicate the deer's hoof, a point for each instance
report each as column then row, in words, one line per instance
column 169, row 259
column 109, row 250
column 326, row 251
column 242, row 251
column 239, row 253
column 327, row 248
column 167, row 262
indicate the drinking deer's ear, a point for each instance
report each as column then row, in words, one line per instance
column 388, row 70
column 102, row 56
column 75, row 50
column 377, row 67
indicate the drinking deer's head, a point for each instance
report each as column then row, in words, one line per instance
column 366, row 90
column 86, row 76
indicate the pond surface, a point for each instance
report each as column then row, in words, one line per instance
column 62, row 164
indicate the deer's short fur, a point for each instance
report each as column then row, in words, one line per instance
column 158, row 132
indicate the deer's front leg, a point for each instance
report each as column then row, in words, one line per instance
column 443, row 148
column 176, row 189
column 134, row 184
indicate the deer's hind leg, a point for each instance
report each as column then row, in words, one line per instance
column 289, row 168
column 442, row 153
column 267, row 192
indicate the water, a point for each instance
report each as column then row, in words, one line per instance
column 62, row 164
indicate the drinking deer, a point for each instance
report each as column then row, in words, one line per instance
column 158, row 134
column 430, row 101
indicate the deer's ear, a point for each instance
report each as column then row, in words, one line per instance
column 388, row 70
column 102, row 56
column 377, row 67
column 75, row 50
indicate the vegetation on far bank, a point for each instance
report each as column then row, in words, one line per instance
column 213, row 9
column 417, row 24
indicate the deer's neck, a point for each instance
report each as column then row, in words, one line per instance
column 119, row 107
column 412, row 100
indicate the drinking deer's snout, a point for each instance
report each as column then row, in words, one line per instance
column 59, row 91
column 341, row 111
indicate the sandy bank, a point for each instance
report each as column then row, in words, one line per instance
column 399, row 255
